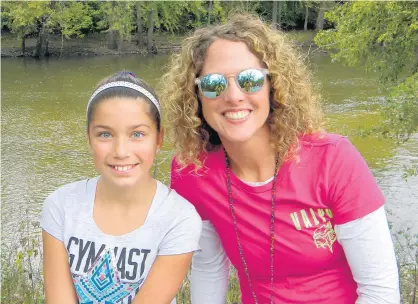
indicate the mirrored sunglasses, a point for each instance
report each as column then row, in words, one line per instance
column 249, row 81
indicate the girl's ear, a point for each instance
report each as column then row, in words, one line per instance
column 88, row 140
column 160, row 139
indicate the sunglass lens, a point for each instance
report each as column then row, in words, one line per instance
column 251, row 80
column 212, row 85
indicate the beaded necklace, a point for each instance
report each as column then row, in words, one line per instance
column 241, row 252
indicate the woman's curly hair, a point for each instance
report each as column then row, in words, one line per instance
column 294, row 105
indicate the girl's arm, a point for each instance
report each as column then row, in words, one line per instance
column 210, row 269
column 174, row 254
column 209, row 279
column 164, row 280
column 369, row 250
column 58, row 284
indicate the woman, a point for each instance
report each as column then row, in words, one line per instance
column 121, row 237
column 297, row 210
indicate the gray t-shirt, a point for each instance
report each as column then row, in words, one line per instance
column 111, row 269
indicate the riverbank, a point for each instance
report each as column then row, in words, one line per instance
column 91, row 45
column 98, row 45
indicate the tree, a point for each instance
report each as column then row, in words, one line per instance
column 139, row 25
column 118, row 18
column 382, row 36
column 307, row 4
column 277, row 12
column 279, row 20
column 151, row 11
column 322, row 8
column 70, row 18
column 305, row 25
column 210, row 10
column 24, row 18
column 167, row 15
column 274, row 15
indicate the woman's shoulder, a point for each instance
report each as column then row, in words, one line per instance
column 327, row 144
column 209, row 161
column 318, row 139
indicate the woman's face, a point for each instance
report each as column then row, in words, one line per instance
column 123, row 140
column 235, row 115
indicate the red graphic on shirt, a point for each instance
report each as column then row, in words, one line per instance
column 325, row 236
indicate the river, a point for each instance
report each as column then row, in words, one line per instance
column 43, row 138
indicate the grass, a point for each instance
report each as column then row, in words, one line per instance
column 21, row 262
column 21, row 269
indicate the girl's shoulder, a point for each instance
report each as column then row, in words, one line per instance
column 175, row 204
column 74, row 191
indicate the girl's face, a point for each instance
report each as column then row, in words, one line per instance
column 235, row 115
column 123, row 140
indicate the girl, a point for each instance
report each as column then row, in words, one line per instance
column 121, row 237
column 296, row 209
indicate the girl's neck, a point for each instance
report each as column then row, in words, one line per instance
column 110, row 194
column 253, row 160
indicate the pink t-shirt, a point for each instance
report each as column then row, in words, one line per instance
column 330, row 184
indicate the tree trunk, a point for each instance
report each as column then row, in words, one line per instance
column 305, row 26
column 274, row 16
column 210, row 11
column 320, row 18
column 139, row 26
column 62, row 44
column 150, row 30
column 23, row 44
column 52, row 6
column 38, row 47
column 279, row 17
column 46, row 39
column 37, row 53
column 120, row 43
column 112, row 43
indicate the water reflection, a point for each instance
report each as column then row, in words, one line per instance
column 43, row 128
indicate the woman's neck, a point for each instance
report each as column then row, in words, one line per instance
column 253, row 160
column 111, row 194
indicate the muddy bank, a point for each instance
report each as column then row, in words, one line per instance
column 96, row 45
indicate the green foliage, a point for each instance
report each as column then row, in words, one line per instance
column 382, row 36
column 197, row 14
column 406, row 247
column 21, row 266
column 410, row 171
column 116, row 16
column 75, row 18
column 401, row 109
column 71, row 17
column 22, row 17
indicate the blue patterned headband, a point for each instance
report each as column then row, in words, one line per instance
column 125, row 84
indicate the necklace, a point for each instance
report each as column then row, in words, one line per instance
column 241, row 252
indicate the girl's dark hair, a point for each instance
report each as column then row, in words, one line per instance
column 124, row 92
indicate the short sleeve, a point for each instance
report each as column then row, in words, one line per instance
column 52, row 220
column 353, row 191
column 184, row 235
